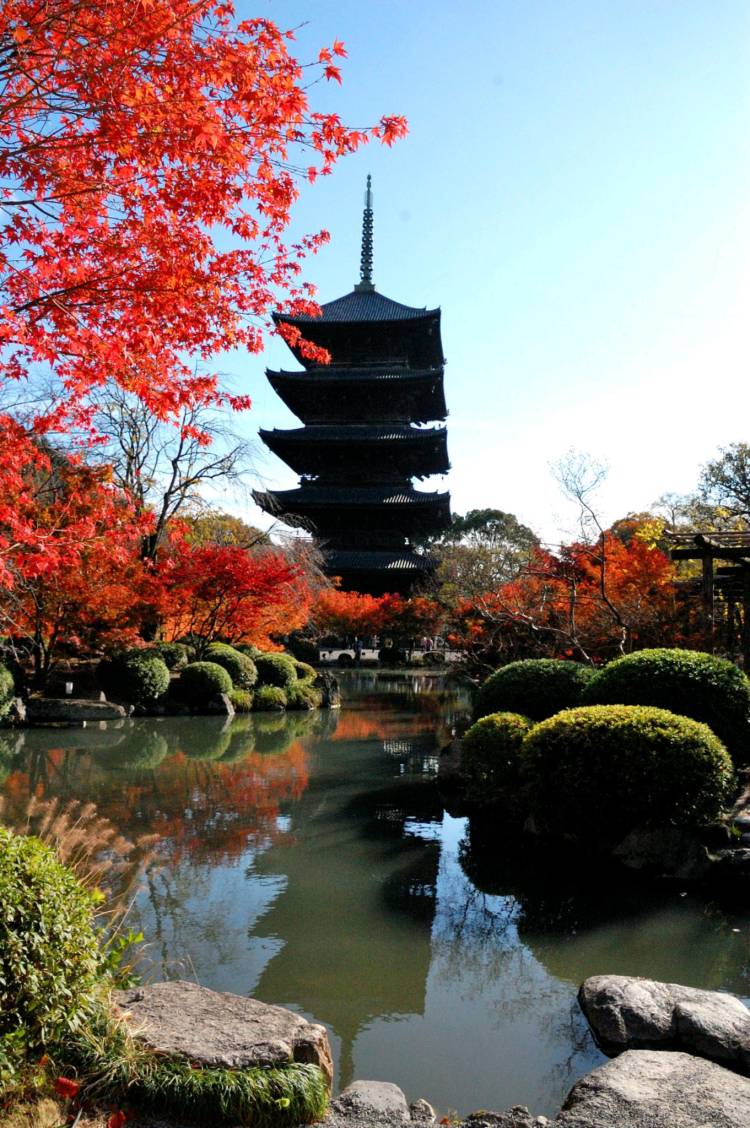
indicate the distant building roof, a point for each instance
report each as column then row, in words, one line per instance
column 351, row 560
column 363, row 306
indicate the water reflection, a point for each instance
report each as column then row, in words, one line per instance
column 306, row 859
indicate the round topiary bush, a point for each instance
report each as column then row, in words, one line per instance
column 490, row 752
column 7, row 690
column 305, row 672
column 200, row 682
column 50, row 961
column 174, row 655
column 139, row 677
column 533, row 687
column 276, row 670
column 269, row 699
column 601, row 770
column 303, row 696
column 248, row 649
column 240, row 668
column 687, row 682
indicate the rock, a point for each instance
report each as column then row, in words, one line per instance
column 329, row 687
column 17, row 711
column 212, row 1028
column 71, row 711
column 631, row 1013
column 422, row 1110
column 665, row 849
column 220, row 706
column 516, row 1117
column 657, row 1089
column 372, row 1099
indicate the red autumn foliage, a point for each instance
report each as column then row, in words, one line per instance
column 587, row 601
column 66, row 1088
column 144, row 212
column 348, row 614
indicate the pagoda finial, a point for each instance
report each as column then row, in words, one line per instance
column 365, row 283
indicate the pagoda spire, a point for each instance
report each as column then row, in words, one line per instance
column 365, row 284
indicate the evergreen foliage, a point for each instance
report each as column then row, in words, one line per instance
column 490, row 758
column 276, row 670
column 240, row 668
column 199, row 682
column 534, row 687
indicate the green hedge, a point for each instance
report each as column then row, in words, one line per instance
column 490, row 759
column 174, row 655
column 139, row 677
column 50, row 960
column 535, row 687
column 687, row 682
column 7, row 690
column 305, row 672
column 303, row 696
column 199, row 682
column 240, row 668
column 276, row 669
column 269, row 698
column 600, row 770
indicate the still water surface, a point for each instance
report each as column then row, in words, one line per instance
column 307, row 860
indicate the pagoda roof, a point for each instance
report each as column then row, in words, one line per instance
column 355, row 374
column 369, row 560
column 354, row 433
column 361, row 305
column 312, row 494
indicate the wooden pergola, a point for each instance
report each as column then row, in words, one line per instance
column 724, row 586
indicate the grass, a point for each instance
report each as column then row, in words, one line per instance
column 114, row 1068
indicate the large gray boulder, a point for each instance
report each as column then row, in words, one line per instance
column 627, row 1012
column 657, row 1089
column 216, row 1029
column 372, row 1099
column 71, row 711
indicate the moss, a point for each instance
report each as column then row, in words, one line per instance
column 242, row 700
column 534, row 687
column 305, row 672
column 601, row 770
column 269, row 698
column 304, row 696
column 687, row 682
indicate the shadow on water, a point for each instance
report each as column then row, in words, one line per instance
column 306, row 859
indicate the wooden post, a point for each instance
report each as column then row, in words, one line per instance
column 731, row 634
column 708, row 600
column 746, row 618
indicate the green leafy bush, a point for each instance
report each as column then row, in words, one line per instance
column 199, row 682
column 534, row 687
column 174, row 655
column 490, row 758
column 303, row 696
column 7, row 690
column 139, row 677
column 50, row 960
column 248, row 649
column 601, row 770
column 276, row 670
column 242, row 700
column 304, row 671
column 269, row 698
column 240, row 668
column 687, row 682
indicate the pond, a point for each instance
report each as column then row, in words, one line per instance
column 307, row 860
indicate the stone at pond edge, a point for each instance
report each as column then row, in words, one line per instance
column 220, row 706
column 628, row 1012
column 71, row 710
column 422, row 1110
column 657, row 1089
column 516, row 1117
column 329, row 687
column 213, row 1029
column 371, row 1098
column 665, row 850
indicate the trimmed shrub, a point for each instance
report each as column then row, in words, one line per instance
column 7, row 690
column 687, row 682
column 248, row 649
column 276, row 669
column 141, row 751
column 269, row 699
column 490, row 754
column 240, row 668
column 305, row 672
column 199, row 682
column 50, row 961
column 303, row 696
column 139, row 677
column 601, row 770
column 534, row 687
column 242, row 700
column 174, row 655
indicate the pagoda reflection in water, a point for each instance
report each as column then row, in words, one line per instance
column 364, row 436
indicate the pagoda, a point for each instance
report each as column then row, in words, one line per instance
column 365, row 434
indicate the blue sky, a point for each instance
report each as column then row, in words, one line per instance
column 574, row 194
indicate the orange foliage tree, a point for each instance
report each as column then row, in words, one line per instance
column 150, row 152
column 236, row 594
column 349, row 614
column 588, row 602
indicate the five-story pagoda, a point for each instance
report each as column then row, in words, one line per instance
column 364, row 437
